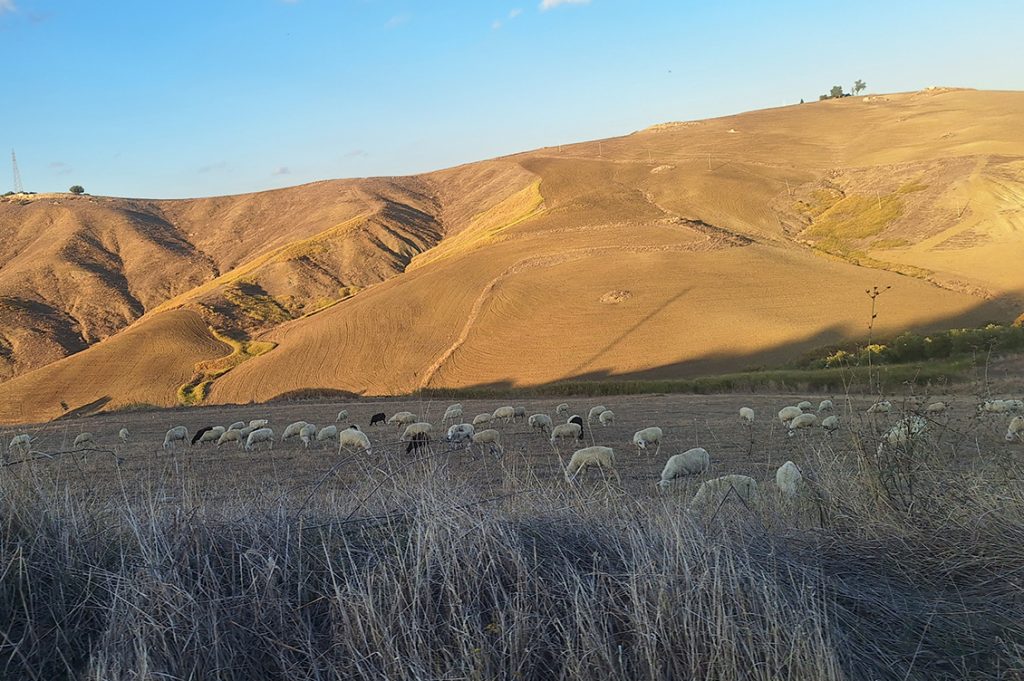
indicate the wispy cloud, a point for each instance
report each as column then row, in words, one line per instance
column 398, row 20
column 551, row 4
column 357, row 153
column 512, row 14
column 7, row 6
column 282, row 170
column 495, row 25
column 60, row 168
column 211, row 167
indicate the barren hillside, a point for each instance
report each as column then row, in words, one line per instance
column 677, row 250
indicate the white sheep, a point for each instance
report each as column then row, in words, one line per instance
column 452, row 413
column 342, row 415
column 507, row 413
column 403, row 418
column 327, row 433
column 562, row 409
column 541, row 422
column 905, row 431
column 993, row 407
column 746, row 416
column 646, row 437
column 353, row 437
column 292, row 430
column 691, row 462
column 789, row 479
column 787, row 414
column 307, row 435
column 489, row 437
column 805, row 406
column 175, row 435
column 591, row 457
column 237, row 425
column 212, row 435
column 520, row 414
column 231, row 435
column 802, row 422
column 123, row 435
column 935, row 408
column 414, row 429
column 1014, row 405
column 256, row 424
column 1015, row 431
column 825, row 405
column 883, row 407
column 595, row 412
column 21, row 443
column 482, row 419
column 84, row 439
column 713, row 493
column 830, row 423
column 460, row 434
column 258, row 436
column 606, row 417
column 565, row 431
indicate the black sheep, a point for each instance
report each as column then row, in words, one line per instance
column 578, row 420
column 418, row 440
column 379, row 417
column 200, row 433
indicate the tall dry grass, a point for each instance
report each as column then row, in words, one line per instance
column 416, row 572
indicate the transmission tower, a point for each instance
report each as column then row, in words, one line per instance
column 17, row 175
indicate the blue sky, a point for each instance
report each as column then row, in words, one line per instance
column 206, row 97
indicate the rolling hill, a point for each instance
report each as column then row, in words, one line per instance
column 682, row 249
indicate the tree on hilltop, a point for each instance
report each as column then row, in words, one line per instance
column 77, row 189
column 836, row 92
column 859, row 86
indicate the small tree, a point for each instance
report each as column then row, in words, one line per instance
column 859, row 86
column 836, row 92
column 77, row 189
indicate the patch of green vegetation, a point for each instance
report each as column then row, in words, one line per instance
column 253, row 302
column 198, row 388
column 857, row 217
column 890, row 243
column 912, row 187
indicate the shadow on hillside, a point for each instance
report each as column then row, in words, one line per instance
column 93, row 407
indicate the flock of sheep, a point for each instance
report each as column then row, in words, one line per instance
column 416, row 433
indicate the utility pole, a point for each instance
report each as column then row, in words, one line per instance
column 18, row 188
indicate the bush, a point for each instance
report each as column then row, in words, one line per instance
column 77, row 189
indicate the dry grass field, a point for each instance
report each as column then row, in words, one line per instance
column 895, row 563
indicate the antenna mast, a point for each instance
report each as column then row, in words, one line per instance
column 18, row 189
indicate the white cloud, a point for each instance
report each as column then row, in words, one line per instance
column 283, row 170
column 7, row 6
column 60, row 168
column 514, row 13
column 357, row 153
column 551, row 4
column 398, row 20
column 496, row 25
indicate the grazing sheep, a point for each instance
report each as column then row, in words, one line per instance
column 789, row 479
column 801, row 422
column 830, row 424
column 83, row 440
column 905, row 431
column 461, row 433
column 244, row 432
column 342, row 415
column 307, row 435
column 713, row 493
column 210, row 435
column 562, row 409
column 746, row 416
column 258, row 436
column 403, row 418
column 123, row 435
column 787, row 414
column 541, row 422
column 1015, row 431
column 175, row 435
column 935, row 408
column 256, row 424
column 883, row 407
column 482, row 419
column 578, row 420
column 417, row 442
column 414, row 429
column 565, row 431
column 489, row 437
column 606, row 417
column 993, row 407
column 327, row 433
column 520, row 414
column 647, row 436
column 805, row 406
column 691, row 462
column 237, row 425
column 825, row 405
column 507, row 413
column 292, row 430
column 378, row 418
column 452, row 413
column 591, row 457
column 21, row 443
column 353, row 437
column 1014, row 405
column 231, row 435
column 595, row 412
column 200, row 433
